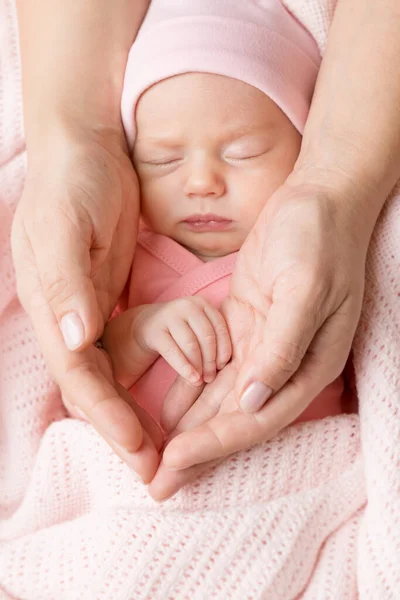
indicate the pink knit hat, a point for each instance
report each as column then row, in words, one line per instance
column 256, row 41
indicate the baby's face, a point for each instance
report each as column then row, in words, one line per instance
column 209, row 153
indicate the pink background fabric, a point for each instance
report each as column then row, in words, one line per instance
column 312, row 514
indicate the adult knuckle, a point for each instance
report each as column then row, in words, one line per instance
column 221, row 330
column 197, row 300
column 208, row 337
column 171, row 352
column 287, row 356
column 191, row 347
column 56, row 289
column 184, row 305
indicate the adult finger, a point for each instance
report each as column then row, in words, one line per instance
column 86, row 386
column 290, row 327
column 233, row 431
column 166, row 483
column 220, row 436
column 147, row 422
column 145, row 460
column 79, row 377
column 63, row 266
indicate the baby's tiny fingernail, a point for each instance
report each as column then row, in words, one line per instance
column 223, row 363
column 209, row 377
column 194, row 376
column 255, row 396
column 73, row 331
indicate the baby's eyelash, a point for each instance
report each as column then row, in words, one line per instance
column 244, row 157
column 161, row 163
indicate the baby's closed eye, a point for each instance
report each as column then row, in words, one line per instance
column 246, row 149
column 159, row 160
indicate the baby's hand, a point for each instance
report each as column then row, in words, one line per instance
column 189, row 333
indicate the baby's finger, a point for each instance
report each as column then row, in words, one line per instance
column 144, row 461
column 224, row 346
column 207, row 340
column 180, row 349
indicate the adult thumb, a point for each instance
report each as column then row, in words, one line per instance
column 63, row 263
column 288, row 332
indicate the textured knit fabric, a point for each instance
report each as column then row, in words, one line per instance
column 162, row 271
column 256, row 41
column 312, row 514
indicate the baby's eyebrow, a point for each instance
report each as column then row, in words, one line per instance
column 165, row 141
column 243, row 130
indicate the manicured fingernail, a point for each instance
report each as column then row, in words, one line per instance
column 254, row 396
column 72, row 330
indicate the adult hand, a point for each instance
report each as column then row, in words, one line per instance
column 295, row 301
column 73, row 240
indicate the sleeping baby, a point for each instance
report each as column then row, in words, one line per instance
column 215, row 99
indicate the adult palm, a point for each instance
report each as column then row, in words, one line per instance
column 73, row 239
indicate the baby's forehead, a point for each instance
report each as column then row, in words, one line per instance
column 201, row 102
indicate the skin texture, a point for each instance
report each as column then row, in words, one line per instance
column 347, row 166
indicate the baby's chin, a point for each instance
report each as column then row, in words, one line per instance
column 206, row 253
column 211, row 245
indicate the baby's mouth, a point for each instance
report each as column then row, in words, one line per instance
column 207, row 222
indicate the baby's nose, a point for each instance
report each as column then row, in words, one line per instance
column 203, row 180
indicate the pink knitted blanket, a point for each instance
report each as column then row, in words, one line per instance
column 315, row 513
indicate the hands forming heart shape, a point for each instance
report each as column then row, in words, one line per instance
column 294, row 304
column 291, row 316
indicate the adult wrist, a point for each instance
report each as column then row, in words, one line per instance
column 63, row 133
column 346, row 173
column 346, row 200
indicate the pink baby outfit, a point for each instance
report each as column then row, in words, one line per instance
column 258, row 42
column 163, row 271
